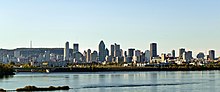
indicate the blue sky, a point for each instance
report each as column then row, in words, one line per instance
column 193, row 24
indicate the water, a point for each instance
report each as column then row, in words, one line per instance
column 178, row 81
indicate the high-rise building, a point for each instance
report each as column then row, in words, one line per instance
column 200, row 55
column 212, row 54
column 173, row 53
column 147, row 56
column 117, row 52
column 190, row 54
column 102, row 51
column 66, row 51
column 153, row 50
column 78, row 57
column 75, row 47
column 107, row 52
column 125, row 54
column 94, row 56
column 137, row 52
column 88, row 58
column 112, row 50
column 131, row 52
column 187, row 56
column 181, row 51
column 121, row 53
column 84, row 56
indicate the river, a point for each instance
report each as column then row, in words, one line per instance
column 155, row 81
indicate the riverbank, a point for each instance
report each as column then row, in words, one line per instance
column 120, row 69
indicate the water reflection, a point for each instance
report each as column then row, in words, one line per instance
column 153, row 77
column 6, row 77
column 204, row 81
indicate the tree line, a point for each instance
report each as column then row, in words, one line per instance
column 6, row 69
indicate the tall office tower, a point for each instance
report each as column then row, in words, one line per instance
column 88, row 56
column 131, row 52
column 107, row 52
column 173, row 53
column 121, row 53
column 102, row 51
column 190, row 54
column 66, row 51
column 153, row 50
column 212, row 54
column 187, row 56
column 147, row 56
column 117, row 50
column 112, row 50
column 181, row 51
column 94, row 56
column 75, row 47
column 137, row 52
column 84, row 56
column 125, row 54
column 142, row 57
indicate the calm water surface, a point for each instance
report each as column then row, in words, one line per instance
column 180, row 81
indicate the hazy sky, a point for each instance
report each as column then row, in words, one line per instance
column 193, row 24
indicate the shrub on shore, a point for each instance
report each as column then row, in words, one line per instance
column 6, row 70
column 2, row 90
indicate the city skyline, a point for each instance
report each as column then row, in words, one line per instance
column 152, row 47
column 110, row 45
column 193, row 25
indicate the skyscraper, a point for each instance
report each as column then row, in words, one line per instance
column 88, row 56
column 173, row 53
column 75, row 47
column 187, row 56
column 137, row 52
column 107, row 52
column 94, row 56
column 66, row 51
column 125, row 54
column 112, row 50
column 153, row 50
column 131, row 52
column 75, row 50
column 84, row 56
column 102, row 51
column 117, row 52
column 147, row 56
column 181, row 51
column 212, row 54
